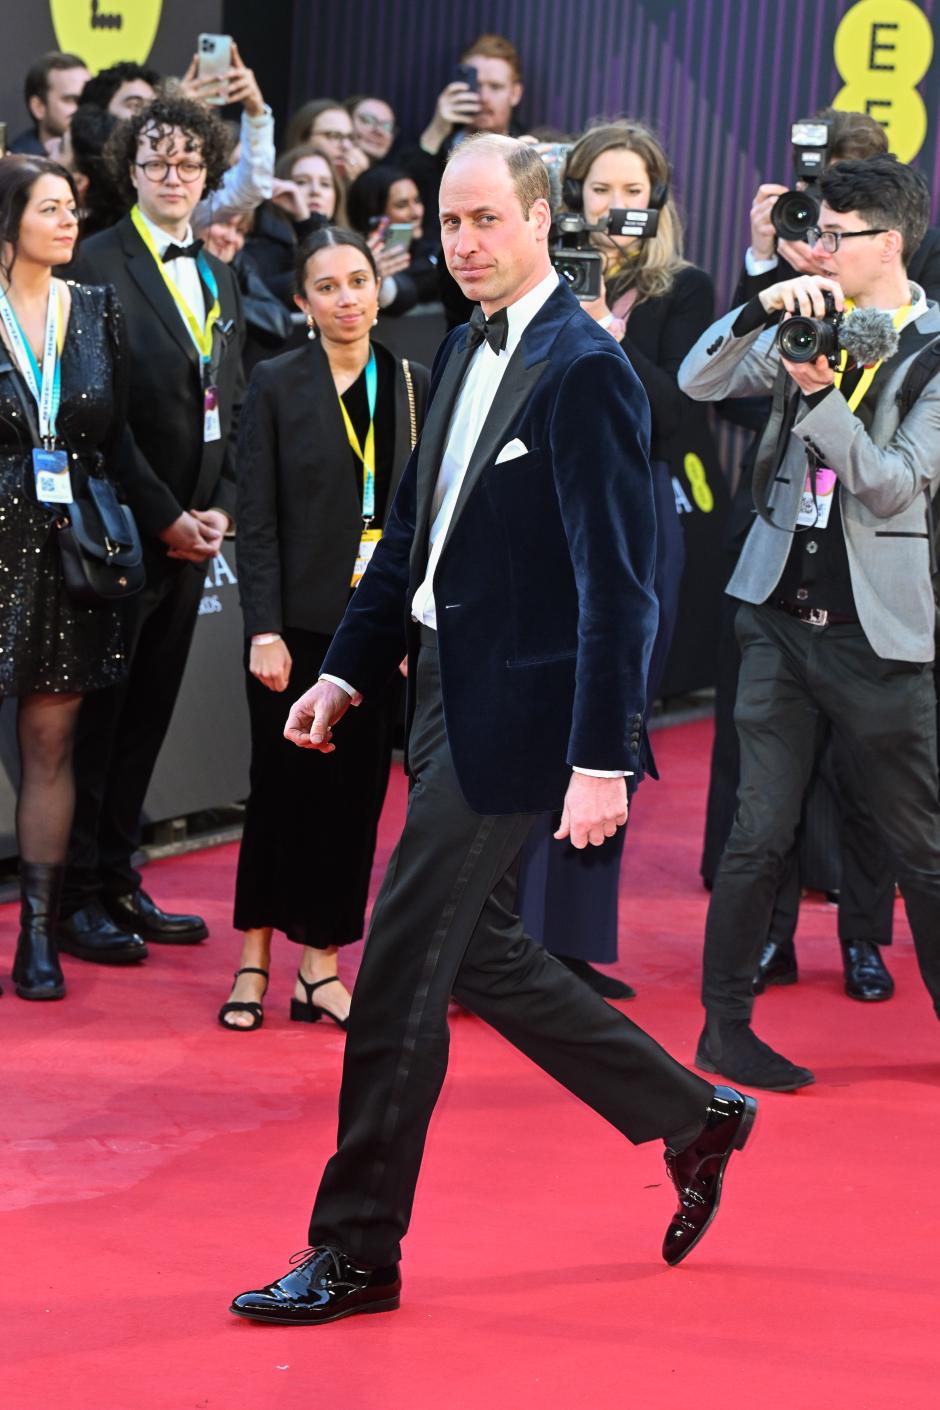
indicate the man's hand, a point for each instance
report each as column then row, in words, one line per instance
column 763, row 234
column 191, row 540
column 810, row 376
column 798, row 256
column 593, row 810
column 215, row 524
column 802, row 295
column 457, row 104
column 270, row 664
column 311, row 719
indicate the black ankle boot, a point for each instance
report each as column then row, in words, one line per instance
column 37, row 973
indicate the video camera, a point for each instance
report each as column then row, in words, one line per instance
column 795, row 211
column 576, row 259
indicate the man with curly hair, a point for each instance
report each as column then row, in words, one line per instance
column 184, row 335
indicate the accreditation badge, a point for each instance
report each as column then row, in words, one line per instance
column 211, row 422
column 53, row 482
column 815, row 511
column 370, row 538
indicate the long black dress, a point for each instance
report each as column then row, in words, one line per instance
column 48, row 643
column 311, row 819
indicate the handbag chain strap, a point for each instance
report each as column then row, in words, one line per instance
column 412, row 414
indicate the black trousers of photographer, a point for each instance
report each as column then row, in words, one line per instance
column 794, row 678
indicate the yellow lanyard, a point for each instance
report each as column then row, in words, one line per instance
column 868, row 373
column 368, row 456
column 201, row 336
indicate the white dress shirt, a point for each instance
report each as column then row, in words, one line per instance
column 183, row 272
column 478, row 390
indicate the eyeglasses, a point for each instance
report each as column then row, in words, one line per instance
column 830, row 240
column 345, row 137
column 381, row 124
column 158, row 170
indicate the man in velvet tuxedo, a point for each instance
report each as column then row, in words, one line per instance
column 515, row 570
column 177, row 471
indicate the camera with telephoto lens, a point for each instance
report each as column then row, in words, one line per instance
column 803, row 339
column 574, row 255
column 795, row 212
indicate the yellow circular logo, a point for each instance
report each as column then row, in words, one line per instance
column 882, row 50
column 105, row 32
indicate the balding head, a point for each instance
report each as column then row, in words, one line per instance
column 526, row 168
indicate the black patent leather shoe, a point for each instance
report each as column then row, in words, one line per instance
column 777, row 966
column 323, row 1287
column 698, row 1170
column 866, row 977
column 732, row 1048
column 90, row 934
column 135, row 911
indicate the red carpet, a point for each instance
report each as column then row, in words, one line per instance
column 155, row 1165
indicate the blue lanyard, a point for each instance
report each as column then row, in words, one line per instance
column 46, row 386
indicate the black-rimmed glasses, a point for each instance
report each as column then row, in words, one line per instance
column 157, row 169
column 830, row 240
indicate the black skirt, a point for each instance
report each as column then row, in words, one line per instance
column 312, row 819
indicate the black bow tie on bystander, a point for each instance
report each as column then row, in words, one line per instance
column 495, row 330
column 182, row 251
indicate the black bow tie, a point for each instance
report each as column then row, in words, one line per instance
column 182, row 251
column 495, row 330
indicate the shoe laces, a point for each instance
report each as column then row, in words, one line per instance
column 308, row 1254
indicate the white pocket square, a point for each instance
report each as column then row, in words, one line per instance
column 512, row 450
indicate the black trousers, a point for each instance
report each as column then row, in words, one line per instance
column 120, row 734
column 795, row 679
column 445, row 923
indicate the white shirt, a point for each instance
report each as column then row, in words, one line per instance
column 183, row 272
column 480, row 385
column 250, row 181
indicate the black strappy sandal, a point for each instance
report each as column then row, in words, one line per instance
column 306, row 1011
column 237, row 1006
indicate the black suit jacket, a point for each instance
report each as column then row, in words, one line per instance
column 166, row 466
column 545, row 605
column 299, row 517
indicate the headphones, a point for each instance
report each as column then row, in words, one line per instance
column 572, row 193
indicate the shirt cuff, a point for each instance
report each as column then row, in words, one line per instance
column 755, row 266
column 603, row 773
column 355, row 696
column 265, row 638
column 264, row 119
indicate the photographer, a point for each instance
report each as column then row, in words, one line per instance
column 655, row 304
column 839, row 849
column 837, row 617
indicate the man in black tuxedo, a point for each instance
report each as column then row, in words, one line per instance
column 516, row 570
column 184, row 334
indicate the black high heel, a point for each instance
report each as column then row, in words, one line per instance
column 237, row 1006
column 306, row 1011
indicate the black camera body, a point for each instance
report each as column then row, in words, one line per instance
column 796, row 211
column 576, row 259
column 803, row 339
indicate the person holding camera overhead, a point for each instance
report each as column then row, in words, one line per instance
column 62, row 369
column 384, row 205
column 326, row 432
column 837, row 617
column 655, row 304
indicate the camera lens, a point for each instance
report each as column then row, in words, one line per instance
column 572, row 273
column 799, row 339
column 793, row 213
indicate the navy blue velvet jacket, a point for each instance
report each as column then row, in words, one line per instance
column 545, row 607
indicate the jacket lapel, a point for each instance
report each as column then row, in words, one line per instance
column 433, row 440
column 148, row 279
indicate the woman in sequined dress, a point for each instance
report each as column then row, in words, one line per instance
column 51, row 649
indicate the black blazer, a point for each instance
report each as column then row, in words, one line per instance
column 166, row 466
column 544, row 586
column 299, row 517
column 659, row 334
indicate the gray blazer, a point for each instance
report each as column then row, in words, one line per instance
column 882, row 474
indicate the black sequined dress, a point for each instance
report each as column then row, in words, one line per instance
column 47, row 641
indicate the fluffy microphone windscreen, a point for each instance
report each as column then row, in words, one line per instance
column 868, row 335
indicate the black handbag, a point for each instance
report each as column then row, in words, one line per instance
column 99, row 545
